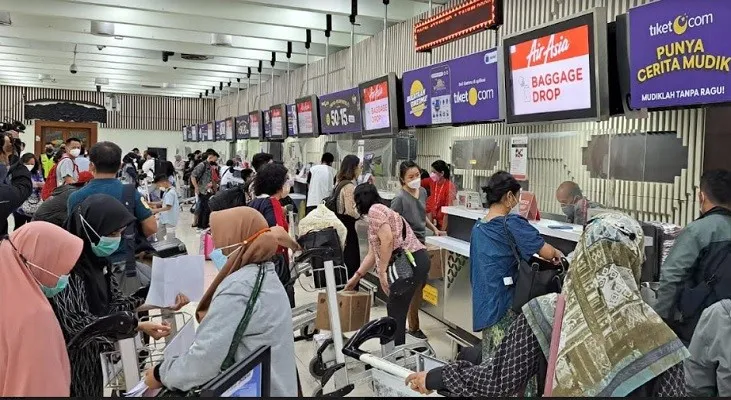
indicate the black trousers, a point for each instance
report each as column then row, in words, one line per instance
column 204, row 211
column 398, row 306
column 20, row 219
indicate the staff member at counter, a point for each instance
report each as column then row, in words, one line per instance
column 573, row 203
column 492, row 260
column 442, row 192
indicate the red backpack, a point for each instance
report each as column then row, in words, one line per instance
column 50, row 185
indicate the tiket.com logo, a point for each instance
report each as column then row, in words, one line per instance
column 681, row 24
column 473, row 96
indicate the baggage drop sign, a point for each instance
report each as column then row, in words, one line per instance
column 680, row 53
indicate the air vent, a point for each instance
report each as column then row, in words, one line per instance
column 5, row 18
column 194, row 57
column 100, row 28
column 156, row 86
column 101, row 81
column 220, row 39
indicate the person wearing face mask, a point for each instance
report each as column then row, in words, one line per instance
column 169, row 208
column 66, row 170
column 25, row 213
column 205, row 179
column 492, row 259
column 698, row 253
column 347, row 212
column 15, row 180
column 410, row 202
column 36, row 261
column 246, row 282
column 442, row 193
column 573, row 203
column 93, row 291
column 47, row 159
column 271, row 186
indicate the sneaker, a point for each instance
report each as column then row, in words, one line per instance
column 418, row 334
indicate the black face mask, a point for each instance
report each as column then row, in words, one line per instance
column 212, row 162
column 49, row 152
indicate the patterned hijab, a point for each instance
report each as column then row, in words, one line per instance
column 611, row 342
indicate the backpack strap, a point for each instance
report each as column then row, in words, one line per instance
column 244, row 322
column 130, row 232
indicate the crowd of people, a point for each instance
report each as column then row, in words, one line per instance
column 82, row 217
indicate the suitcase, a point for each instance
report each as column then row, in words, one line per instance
column 169, row 248
column 206, row 244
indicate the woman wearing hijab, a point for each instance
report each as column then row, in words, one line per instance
column 92, row 291
column 36, row 261
column 611, row 342
column 243, row 238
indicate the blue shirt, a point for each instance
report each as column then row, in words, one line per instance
column 114, row 188
column 170, row 217
column 491, row 260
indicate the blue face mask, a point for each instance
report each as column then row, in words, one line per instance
column 219, row 259
column 49, row 292
column 106, row 246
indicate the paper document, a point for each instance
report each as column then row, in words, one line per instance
column 171, row 276
column 181, row 342
column 137, row 391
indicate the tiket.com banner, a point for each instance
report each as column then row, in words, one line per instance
column 340, row 112
column 552, row 73
column 680, row 53
column 457, row 91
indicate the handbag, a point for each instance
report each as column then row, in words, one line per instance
column 230, row 359
column 30, row 205
column 533, row 279
column 400, row 271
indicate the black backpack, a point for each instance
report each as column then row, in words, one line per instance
column 228, row 198
column 331, row 202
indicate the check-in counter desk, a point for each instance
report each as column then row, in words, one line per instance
column 454, row 303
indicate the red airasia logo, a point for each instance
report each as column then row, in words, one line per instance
column 376, row 92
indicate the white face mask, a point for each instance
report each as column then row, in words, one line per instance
column 30, row 167
column 415, row 184
column 75, row 152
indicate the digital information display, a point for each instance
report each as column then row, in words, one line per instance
column 340, row 112
column 211, row 131
column 551, row 72
column 255, row 125
column 452, row 24
column 186, row 133
column 292, row 126
column 220, row 130
column 230, row 131
column 308, row 120
column 194, row 133
column 267, row 124
column 203, row 132
column 278, row 115
column 242, row 127
column 376, row 107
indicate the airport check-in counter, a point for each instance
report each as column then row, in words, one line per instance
column 454, row 305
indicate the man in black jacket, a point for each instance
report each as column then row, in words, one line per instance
column 15, row 182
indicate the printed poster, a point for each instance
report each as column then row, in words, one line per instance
column 519, row 157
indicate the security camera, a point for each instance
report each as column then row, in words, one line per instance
column 175, row 67
column 101, row 47
column 73, row 68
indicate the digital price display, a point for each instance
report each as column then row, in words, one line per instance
column 551, row 73
column 242, row 127
column 292, row 126
column 454, row 23
column 380, row 106
column 340, row 112
column 256, row 125
column 279, row 127
column 308, row 120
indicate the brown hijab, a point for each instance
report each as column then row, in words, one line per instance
column 240, row 225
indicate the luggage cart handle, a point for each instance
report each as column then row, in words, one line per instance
column 321, row 252
column 118, row 326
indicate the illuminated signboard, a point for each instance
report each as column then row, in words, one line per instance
column 194, row 133
column 242, row 127
column 256, row 125
column 220, row 130
column 278, row 116
column 308, row 120
column 186, row 133
column 230, row 133
column 380, row 105
column 292, row 127
column 340, row 112
column 463, row 20
column 559, row 71
column 267, row 124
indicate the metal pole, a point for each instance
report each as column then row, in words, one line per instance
column 307, row 69
column 352, row 43
column 271, row 91
column 248, row 99
column 288, row 80
column 385, row 26
column 327, row 63
column 238, row 96
column 258, row 103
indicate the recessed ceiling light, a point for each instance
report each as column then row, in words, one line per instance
column 119, row 37
column 100, row 28
column 220, row 39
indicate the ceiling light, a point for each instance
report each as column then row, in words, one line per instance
column 5, row 18
column 220, row 39
column 100, row 28
column 101, row 81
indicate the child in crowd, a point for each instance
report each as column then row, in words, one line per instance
column 168, row 208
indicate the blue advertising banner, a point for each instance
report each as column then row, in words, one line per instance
column 680, row 53
column 242, row 127
column 340, row 112
column 462, row 90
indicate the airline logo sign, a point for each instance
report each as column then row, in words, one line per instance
column 457, row 91
column 552, row 73
column 680, row 53
column 375, row 106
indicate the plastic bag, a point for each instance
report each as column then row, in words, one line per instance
column 321, row 218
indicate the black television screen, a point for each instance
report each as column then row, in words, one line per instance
column 267, row 124
column 230, row 132
column 203, row 132
column 379, row 102
column 220, row 130
column 292, row 125
column 279, row 128
column 558, row 72
column 211, row 131
column 242, row 127
column 186, row 133
column 256, row 125
column 308, row 116
column 194, row 133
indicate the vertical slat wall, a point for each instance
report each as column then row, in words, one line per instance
column 552, row 158
column 136, row 111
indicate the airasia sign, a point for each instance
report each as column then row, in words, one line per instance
column 376, row 107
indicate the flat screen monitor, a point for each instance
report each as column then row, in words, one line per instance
column 203, row 132
column 256, row 125
column 220, row 130
column 194, row 133
column 211, row 132
column 279, row 128
column 242, row 127
column 380, row 105
column 340, row 112
column 230, row 132
column 186, row 133
column 292, row 124
column 267, row 124
column 558, row 72
column 250, row 377
column 308, row 119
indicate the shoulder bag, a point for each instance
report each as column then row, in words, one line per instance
column 332, row 202
column 534, row 278
column 400, row 269
column 230, row 359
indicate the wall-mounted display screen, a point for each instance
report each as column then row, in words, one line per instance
column 194, row 133
column 340, row 112
column 242, row 127
column 203, row 132
column 380, row 106
column 256, row 125
column 308, row 120
column 230, row 134
column 186, row 133
column 211, row 137
column 559, row 71
column 220, row 130
column 267, row 124
column 278, row 116
column 462, row 90
column 292, row 126
column 465, row 19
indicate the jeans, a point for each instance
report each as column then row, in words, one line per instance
column 398, row 306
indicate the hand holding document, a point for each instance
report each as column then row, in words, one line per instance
column 172, row 277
